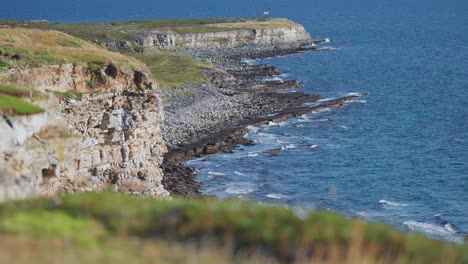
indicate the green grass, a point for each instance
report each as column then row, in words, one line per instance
column 69, row 95
column 100, row 218
column 11, row 105
column 20, row 47
column 171, row 71
column 131, row 30
column 14, row 91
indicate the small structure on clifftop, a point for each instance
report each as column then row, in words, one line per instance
column 266, row 13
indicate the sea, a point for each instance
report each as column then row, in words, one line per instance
column 396, row 155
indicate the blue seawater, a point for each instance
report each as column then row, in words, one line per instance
column 398, row 155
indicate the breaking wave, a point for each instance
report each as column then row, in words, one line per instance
column 434, row 231
column 240, row 189
column 214, row 174
column 390, row 203
column 276, row 196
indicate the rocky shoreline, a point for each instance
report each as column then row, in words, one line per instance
column 210, row 118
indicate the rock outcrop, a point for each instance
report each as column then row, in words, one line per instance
column 290, row 36
column 108, row 137
column 78, row 78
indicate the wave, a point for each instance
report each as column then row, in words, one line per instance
column 447, row 225
column 325, row 99
column 276, row 196
column 249, row 62
column 289, row 146
column 252, row 154
column 270, row 79
column 239, row 173
column 322, row 120
column 358, row 101
column 451, row 228
column 327, row 49
column 214, row 174
column 434, row 231
column 264, row 138
column 355, row 94
column 195, row 160
column 240, row 189
column 314, row 146
column 279, row 141
column 390, row 203
column 271, row 123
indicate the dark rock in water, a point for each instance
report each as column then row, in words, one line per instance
column 180, row 180
column 204, row 119
column 321, row 41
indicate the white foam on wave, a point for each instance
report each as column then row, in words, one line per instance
column 271, row 123
column 263, row 138
column 433, row 231
column 195, row 160
column 239, row 173
column 322, row 120
column 449, row 227
column 214, row 174
column 240, row 189
column 252, row 154
column 249, row 62
column 276, row 196
column 354, row 94
column 390, row 203
column 274, row 78
column 358, row 101
column 344, row 127
column 326, row 99
column 289, row 146
column 327, row 49
column 314, row 146
column 279, row 141
column 321, row 110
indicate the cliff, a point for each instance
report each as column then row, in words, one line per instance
column 101, row 121
column 279, row 33
column 182, row 33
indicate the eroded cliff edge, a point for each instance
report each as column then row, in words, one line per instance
column 104, row 114
column 100, row 127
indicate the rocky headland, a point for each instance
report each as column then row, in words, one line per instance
column 107, row 122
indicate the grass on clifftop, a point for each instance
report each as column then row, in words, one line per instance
column 171, row 70
column 103, row 227
column 21, row 47
column 128, row 30
column 10, row 105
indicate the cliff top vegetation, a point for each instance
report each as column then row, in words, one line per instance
column 93, row 227
column 20, row 47
column 11, row 104
column 127, row 30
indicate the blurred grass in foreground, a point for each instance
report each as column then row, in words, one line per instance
column 104, row 227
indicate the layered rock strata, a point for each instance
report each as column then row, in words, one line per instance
column 109, row 137
column 291, row 35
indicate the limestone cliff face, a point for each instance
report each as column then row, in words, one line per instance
column 80, row 78
column 290, row 36
column 121, row 142
column 106, row 139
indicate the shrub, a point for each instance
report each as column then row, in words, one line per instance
column 91, row 84
column 138, row 48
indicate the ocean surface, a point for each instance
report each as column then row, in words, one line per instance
column 398, row 155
